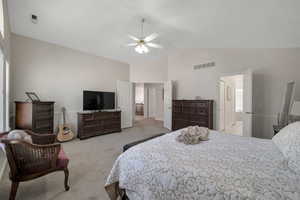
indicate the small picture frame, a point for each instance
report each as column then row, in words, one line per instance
column 32, row 96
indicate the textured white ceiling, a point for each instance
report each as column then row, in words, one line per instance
column 101, row 27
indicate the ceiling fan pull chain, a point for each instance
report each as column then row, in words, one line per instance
column 143, row 21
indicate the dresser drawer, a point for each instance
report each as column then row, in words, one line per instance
column 43, row 131
column 192, row 112
column 43, row 124
column 198, row 118
column 199, row 123
column 88, row 117
column 43, row 116
column 101, row 116
column 43, row 108
column 199, row 111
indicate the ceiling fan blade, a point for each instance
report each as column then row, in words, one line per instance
column 132, row 44
column 133, row 38
column 153, row 45
column 151, row 37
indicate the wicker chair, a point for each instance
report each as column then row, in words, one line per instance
column 30, row 161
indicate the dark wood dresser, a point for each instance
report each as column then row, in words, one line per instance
column 35, row 116
column 192, row 112
column 98, row 123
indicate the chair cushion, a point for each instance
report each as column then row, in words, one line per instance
column 62, row 160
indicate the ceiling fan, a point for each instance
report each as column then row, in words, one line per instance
column 141, row 44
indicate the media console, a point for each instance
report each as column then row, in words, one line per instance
column 98, row 123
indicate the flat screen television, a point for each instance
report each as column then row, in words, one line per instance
column 93, row 100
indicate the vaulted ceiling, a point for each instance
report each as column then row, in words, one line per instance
column 100, row 27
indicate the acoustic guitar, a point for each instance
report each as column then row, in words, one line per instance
column 65, row 133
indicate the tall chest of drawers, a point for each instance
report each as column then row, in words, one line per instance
column 35, row 116
column 191, row 113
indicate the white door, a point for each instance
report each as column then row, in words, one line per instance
column 125, row 102
column 247, row 103
column 168, row 97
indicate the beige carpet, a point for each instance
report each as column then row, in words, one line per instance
column 91, row 161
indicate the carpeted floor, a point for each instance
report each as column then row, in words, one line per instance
column 91, row 161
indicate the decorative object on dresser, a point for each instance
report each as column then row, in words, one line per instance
column 283, row 117
column 98, row 123
column 36, row 116
column 32, row 96
column 191, row 113
column 293, row 116
column 29, row 161
column 65, row 133
column 139, row 109
column 295, row 111
column 277, row 128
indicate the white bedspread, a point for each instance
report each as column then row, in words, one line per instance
column 222, row 168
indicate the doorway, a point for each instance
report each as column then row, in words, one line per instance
column 231, row 93
column 139, row 102
column 154, row 98
column 149, row 104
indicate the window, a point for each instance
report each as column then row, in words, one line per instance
column 238, row 100
column 1, row 18
column 4, row 94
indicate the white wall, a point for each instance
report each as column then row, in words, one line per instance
column 148, row 71
column 60, row 74
column 139, row 93
column 272, row 69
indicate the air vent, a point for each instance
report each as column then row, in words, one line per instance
column 34, row 19
column 204, row 65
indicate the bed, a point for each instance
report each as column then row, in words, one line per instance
column 224, row 167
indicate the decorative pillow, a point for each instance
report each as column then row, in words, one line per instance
column 288, row 141
column 193, row 135
column 19, row 135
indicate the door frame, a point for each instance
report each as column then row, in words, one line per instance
column 146, row 101
column 218, row 92
column 219, row 110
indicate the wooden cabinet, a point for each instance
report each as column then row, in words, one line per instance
column 35, row 116
column 192, row 112
column 98, row 123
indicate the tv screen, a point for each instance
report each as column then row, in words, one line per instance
column 93, row 100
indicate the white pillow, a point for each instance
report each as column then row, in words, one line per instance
column 288, row 141
column 19, row 135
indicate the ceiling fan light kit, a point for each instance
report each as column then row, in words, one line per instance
column 142, row 44
column 141, row 49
